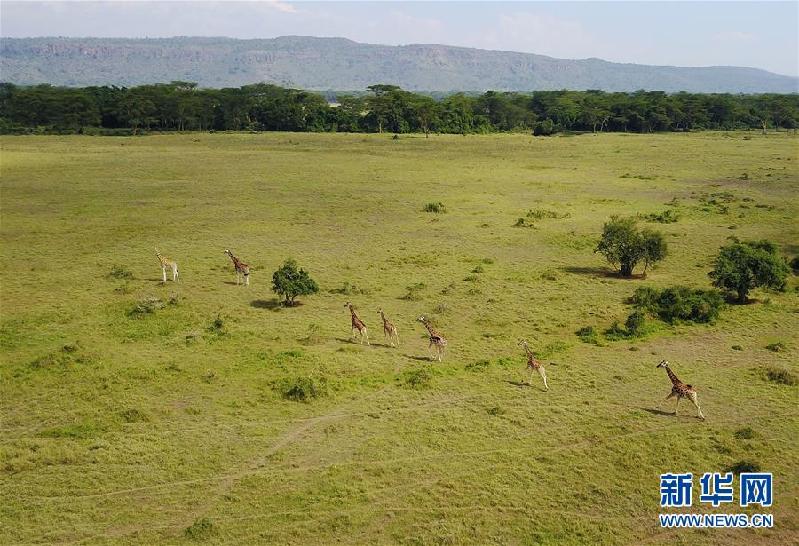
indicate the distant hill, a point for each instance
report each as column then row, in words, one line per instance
column 341, row 64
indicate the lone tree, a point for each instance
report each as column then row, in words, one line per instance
column 625, row 246
column 290, row 282
column 742, row 266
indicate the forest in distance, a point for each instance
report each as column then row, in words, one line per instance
column 183, row 106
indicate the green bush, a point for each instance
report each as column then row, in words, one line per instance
column 743, row 466
column 636, row 324
column 201, row 529
column 437, row 208
column 795, row 265
column 668, row 216
column 777, row 347
column 301, row 389
column 544, row 128
column 679, row 304
column 781, row 376
column 742, row 266
column 587, row 334
column 119, row 272
column 418, row 379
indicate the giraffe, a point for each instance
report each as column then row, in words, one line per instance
column 357, row 324
column 167, row 263
column 389, row 330
column 241, row 269
column 680, row 390
column 435, row 338
column 534, row 365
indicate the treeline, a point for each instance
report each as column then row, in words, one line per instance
column 182, row 106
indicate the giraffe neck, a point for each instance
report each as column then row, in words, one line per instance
column 527, row 350
column 383, row 316
column 674, row 379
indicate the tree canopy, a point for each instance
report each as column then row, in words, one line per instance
column 742, row 266
column 182, row 106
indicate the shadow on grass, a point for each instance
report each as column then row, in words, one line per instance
column 603, row 272
column 520, row 384
column 419, row 358
column 272, row 304
column 655, row 411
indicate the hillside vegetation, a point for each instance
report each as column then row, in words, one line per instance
column 136, row 411
column 340, row 64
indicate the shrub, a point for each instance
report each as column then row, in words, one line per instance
column 201, row 529
column 781, row 376
column 119, row 272
column 291, row 282
column 217, row 326
column 742, row 266
column 615, row 332
column 544, row 128
column 540, row 214
column 795, row 265
column 301, row 389
column 587, row 334
column 145, row 306
column 777, row 347
column 437, row 208
column 413, row 291
column 134, row 415
column 477, row 366
column 636, row 324
column 313, row 336
column 679, row 303
column 745, row 433
column 418, row 379
column 737, row 348
column 668, row 216
column 624, row 246
column 743, row 466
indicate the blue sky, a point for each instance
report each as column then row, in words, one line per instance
column 757, row 34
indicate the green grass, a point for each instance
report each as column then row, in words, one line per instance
column 136, row 412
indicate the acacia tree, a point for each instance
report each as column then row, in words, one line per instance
column 625, row 246
column 290, row 282
column 742, row 266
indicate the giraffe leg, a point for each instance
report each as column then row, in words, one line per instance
column 693, row 398
column 247, row 279
column 677, row 405
column 660, row 404
column 174, row 273
column 163, row 271
column 543, row 374
column 430, row 354
column 396, row 337
column 366, row 334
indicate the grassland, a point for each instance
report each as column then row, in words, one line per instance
column 128, row 420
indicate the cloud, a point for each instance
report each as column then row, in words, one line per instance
column 539, row 33
column 734, row 36
column 279, row 5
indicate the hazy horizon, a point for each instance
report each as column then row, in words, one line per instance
column 701, row 34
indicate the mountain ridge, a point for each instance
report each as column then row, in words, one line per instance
column 336, row 63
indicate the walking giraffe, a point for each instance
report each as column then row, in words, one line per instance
column 436, row 339
column 357, row 324
column 167, row 263
column 534, row 365
column 680, row 390
column 389, row 330
column 241, row 269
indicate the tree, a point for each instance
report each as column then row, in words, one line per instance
column 742, row 266
column 624, row 246
column 290, row 282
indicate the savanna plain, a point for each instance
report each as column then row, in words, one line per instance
column 136, row 411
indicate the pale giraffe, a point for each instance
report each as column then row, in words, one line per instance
column 389, row 330
column 680, row 390
column 357, row 324
column 436, row 339
column 534, row 365
column 167, row 263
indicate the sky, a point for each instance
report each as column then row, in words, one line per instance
column 756, row 34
